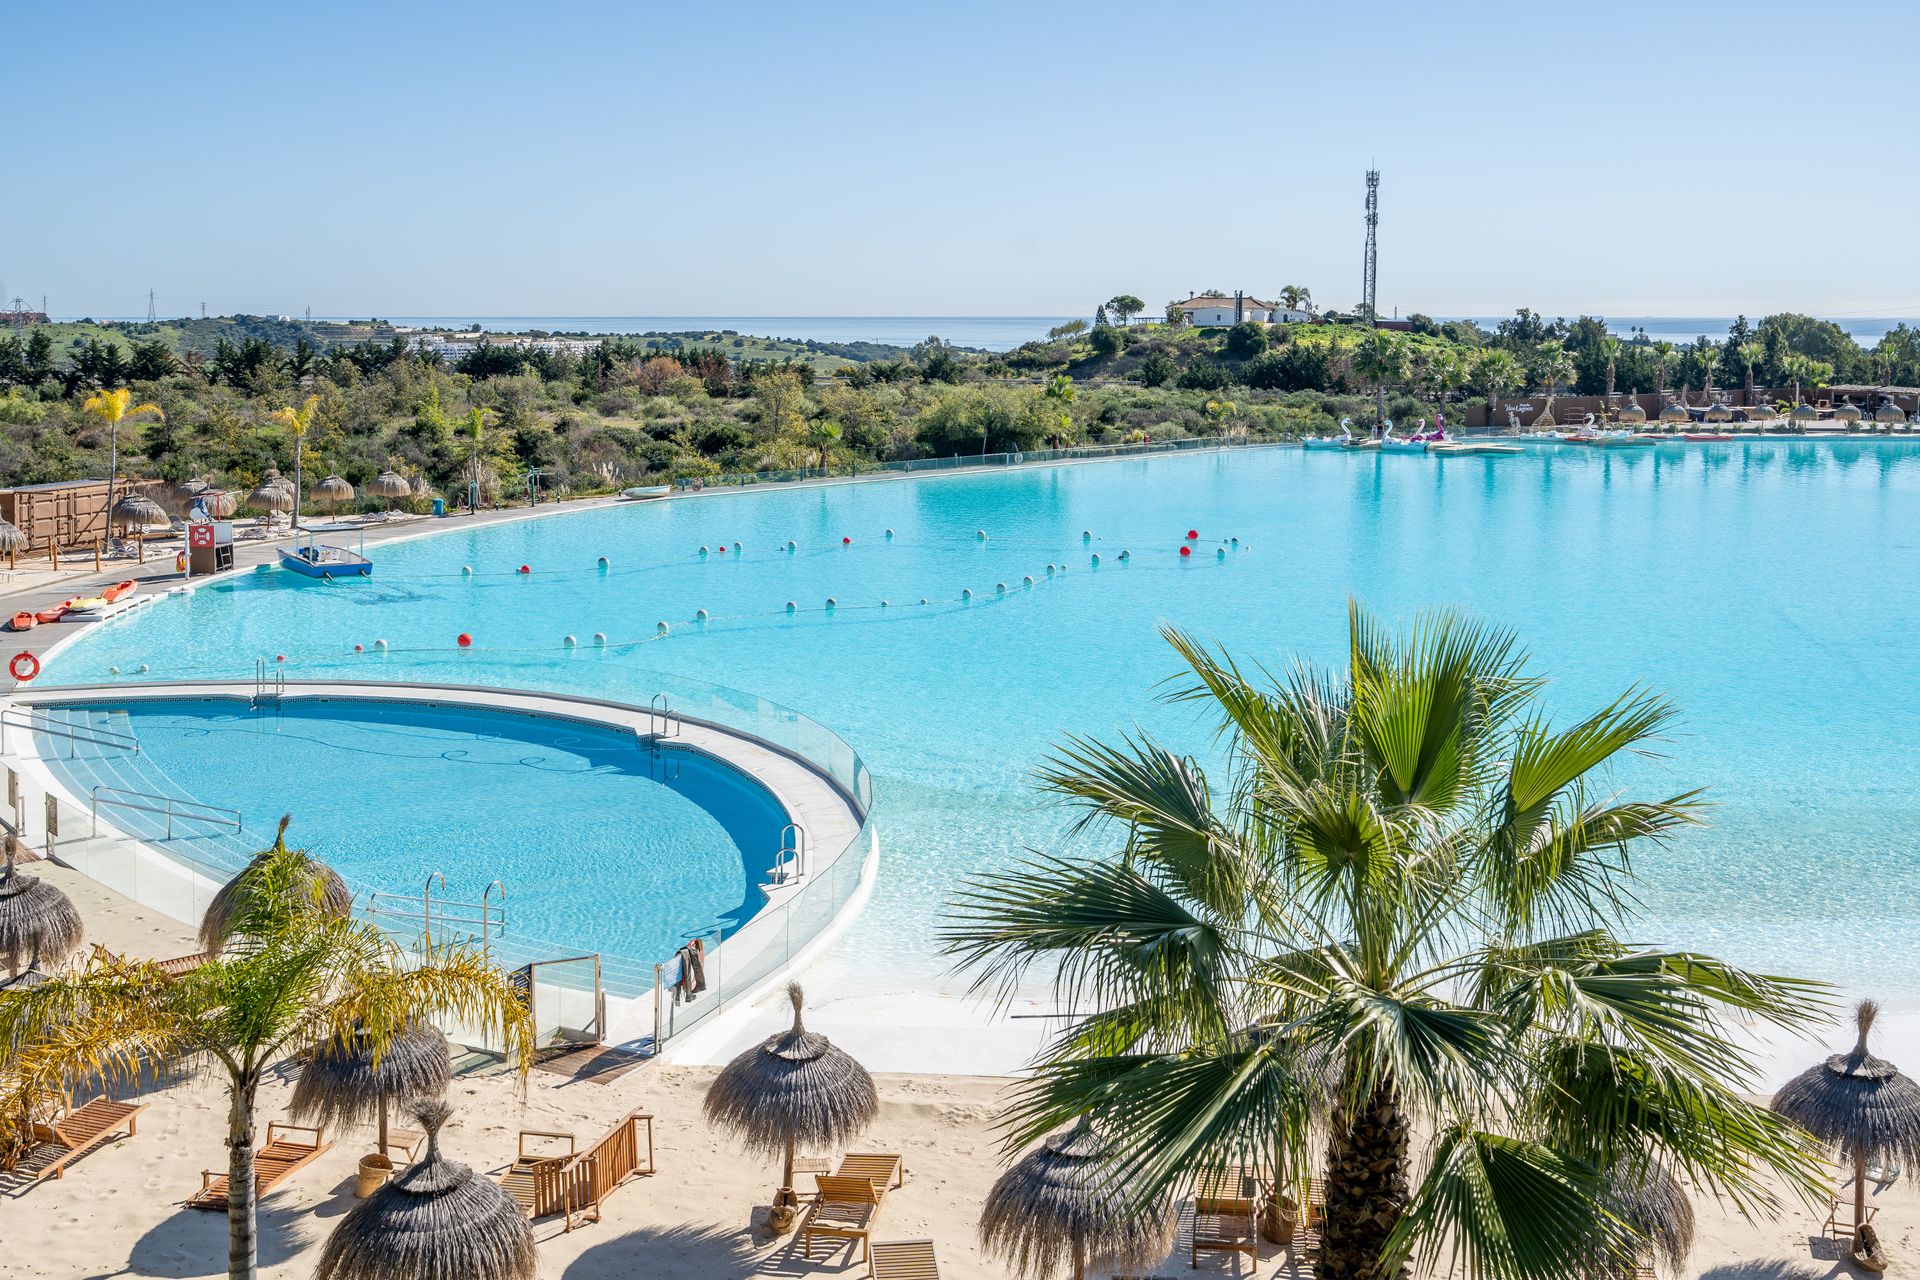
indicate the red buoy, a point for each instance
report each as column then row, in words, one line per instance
column 1186, row 551
column 1192, row 534
column 723, row 548
column 525, row 569
column 279, row 657
column 464, row 640
column 846, row 542
column 358, row 649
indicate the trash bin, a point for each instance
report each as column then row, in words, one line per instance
column 375, row 1169
column 439, row 506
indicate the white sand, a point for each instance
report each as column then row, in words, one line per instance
column 118, row 1211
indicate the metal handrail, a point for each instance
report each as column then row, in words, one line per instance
column 170, row 806
column 662, row 720
column 65, row 729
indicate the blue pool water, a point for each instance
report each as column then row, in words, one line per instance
column 1768, row 586
column 604, row 844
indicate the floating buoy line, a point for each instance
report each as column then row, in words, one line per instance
column 465, row 644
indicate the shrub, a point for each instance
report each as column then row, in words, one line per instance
column 1107, row 341
column 1204, row 375
column 1157, row 370
column 1246, row 340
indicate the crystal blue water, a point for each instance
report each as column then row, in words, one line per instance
column 1768, row 586
column 661, row 843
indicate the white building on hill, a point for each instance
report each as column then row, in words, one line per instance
column 1216, row 309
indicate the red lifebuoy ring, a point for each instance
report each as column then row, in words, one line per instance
column 24, row 666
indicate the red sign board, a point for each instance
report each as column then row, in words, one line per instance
column 200, row 535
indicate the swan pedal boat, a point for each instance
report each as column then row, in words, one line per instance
column 642, row 492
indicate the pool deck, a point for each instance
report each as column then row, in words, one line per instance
column 821, row 806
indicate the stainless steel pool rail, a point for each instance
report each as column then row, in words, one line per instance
column 662, row 720
column 94, row 735
column 169, row 807
column 267, row 684
column 481, row 921
column 790, row 863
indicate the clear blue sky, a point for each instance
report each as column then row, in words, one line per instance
column 922, row 158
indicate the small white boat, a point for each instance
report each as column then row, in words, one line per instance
column 311, row 558
column 641, row 492
column 1390, row 443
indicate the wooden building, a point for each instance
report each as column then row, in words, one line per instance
column 66, row 514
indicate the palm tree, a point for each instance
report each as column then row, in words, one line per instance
column 1496, row 371
column 1556, row 366
column 297, row 422
column 821, row 434
column 475, row 427
column 1709, row 358
column 1662, row 356
column 111, row 408
column 1610, row 348
column 1750, row 354
column 293, row 976
column 1295, row 298
column 1380, row 359
column 1394, row 919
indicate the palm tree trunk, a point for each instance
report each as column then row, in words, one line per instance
column 242, row 1246
column 297, row 451
column 1366, row 1187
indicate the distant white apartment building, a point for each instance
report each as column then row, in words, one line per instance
column 450, row 347
column 1217, row 309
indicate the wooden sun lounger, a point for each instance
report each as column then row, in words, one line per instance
column 80, row 1131
column 285, row 1153
column 885, row 1170
column 172, row 968
column 534, row 1179
column 1226, row 1217
column 905, row 1260
column 404, row 1142
column 844, row 1211
column 594, row 1174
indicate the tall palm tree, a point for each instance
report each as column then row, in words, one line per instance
column 1750, row 354
column 1381, row 358
column 475, row 427
column 111, row 408
column 1393, row 916
column 298, row 423
column 1556, row 366
column 1662, row 357
column 293, row 976
column 1497, row 372
column 1609, row 347
column 1709, row 358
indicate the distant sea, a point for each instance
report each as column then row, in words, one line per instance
column 990, row 333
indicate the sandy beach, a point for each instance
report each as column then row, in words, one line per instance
column 119, row 1212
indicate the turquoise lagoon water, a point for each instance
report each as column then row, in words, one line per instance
column 1768, row 586
column 607, row 845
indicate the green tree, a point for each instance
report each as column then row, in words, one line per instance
column 1125, row 306
column 1106, row 341
column 298, row 423
column 1392, row 922
column 1295, row 298
column 1609, row 350
column 1157, row 370
column 1749, row 354
column 1246, row 340
column 1381, row 359
column 291, row 977
column 1662, row 355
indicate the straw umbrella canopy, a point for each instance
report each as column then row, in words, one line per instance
column 1804, row 413
column 437, row 1219
column 1631, row 411
column 343, row 1083
column 333, row 491
column 1847, row 411
column 390, row 485
column 12, row 541
column 38, row 923
column 1058, row 1205
column 1889, row 413
column 26, row 980
column 1646, row 1195
column 137, row 513
column 219, row 503
column 1718, row 412
column 270, row 497
column 791, row 1089
column 1672, row 411
column 330, row 894
column 182, row 492
column 1858, row 1105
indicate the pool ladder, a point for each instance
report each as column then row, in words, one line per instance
column 790, row 863
column 480, row 921
column 662, row 721
column 267, row 685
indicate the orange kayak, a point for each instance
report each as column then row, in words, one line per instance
column 119, row 589
column 24, row 621
column 56, row 613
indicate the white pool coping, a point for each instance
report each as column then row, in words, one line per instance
column 829, row 814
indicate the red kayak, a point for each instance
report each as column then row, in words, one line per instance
column 119, row 589
column 24, row 622
column 56, row 613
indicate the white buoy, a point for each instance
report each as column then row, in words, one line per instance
column 736, row 548
column 1000, row 587
column 659, row 628
column 791, row 606
column 1221, row 554
column 703, row 551
column 966, row 593
column 980, row 534
column 1086, row 535
column 113, row 671
column 790, row 548
column 923, row 600
column 1234, row 541
column 889, row 533
column 1049, row 571
column 883, row 604
column 569, row 641
column 1096, row 557
column 1027, row 581
column 600, row 639
column 143, row 668
column 380, row 646
column 831, row 602
column 466, row 571
column 1126, row 555
column 700, row 615
column 605, row 564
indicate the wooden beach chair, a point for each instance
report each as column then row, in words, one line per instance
column 905, row 1260
column 76, row 1132
column 844, row 1210
column 534, row 1179
column 884, row 1169
column 1226, row 1216
column 172, row 968
column 622, row 1153
column 289, row 1148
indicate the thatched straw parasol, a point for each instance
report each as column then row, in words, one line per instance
column 1846, row 411
column 181, row 493
column 330, row 894
column 1718, row 412
column 438, row 1219
column 1672, row 411
column 1645, row 1195
column 343, row 1084
column 12, row 541
column 333, row 491
column 390, row 485
column 1631, row 410
column 791, row 1089
column 219, row 503
column 1890, row 413
column 1858, row 1105
column 26, row 980
column 270, row 497
column 38, row 923
column 137, row 513
column 1804, row 413
column 1058, row 1205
